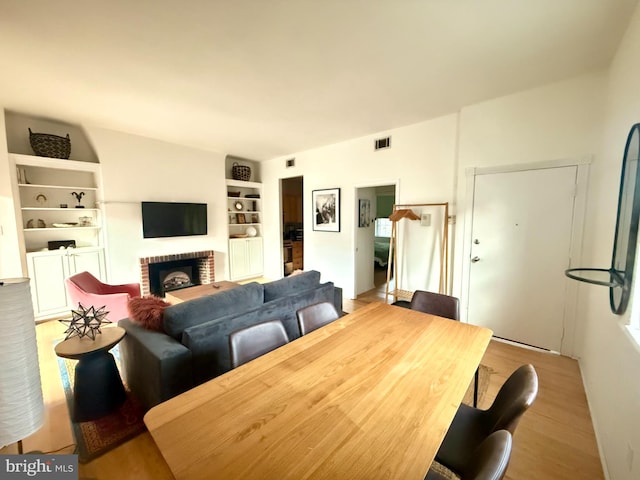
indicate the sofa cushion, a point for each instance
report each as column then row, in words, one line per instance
column 204, row 309
column 209, row 342
column 291, row 284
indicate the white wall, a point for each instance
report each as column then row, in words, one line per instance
column 558, row 121
column 421, row 161
column 10, row 261
column 136, row 169
column 610, row 361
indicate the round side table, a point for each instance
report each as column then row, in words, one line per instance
column 97, row 389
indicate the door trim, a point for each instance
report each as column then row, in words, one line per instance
column 577, row 229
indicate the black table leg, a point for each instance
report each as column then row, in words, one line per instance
column 97, row 389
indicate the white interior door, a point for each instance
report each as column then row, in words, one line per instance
column 521, row 240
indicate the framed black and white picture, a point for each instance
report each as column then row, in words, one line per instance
column 326, row 206
column 364, row 217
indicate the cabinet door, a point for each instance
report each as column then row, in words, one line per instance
column 47, row 273
column 255, row 254
column 87, row 261
column 238, row 259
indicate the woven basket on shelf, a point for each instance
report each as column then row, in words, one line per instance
column 240, row 172
column 47, row 145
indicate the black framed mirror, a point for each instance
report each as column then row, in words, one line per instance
column 619, row 277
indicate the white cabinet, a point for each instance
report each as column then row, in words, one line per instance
column 245, row 258
column 244, row 211
column 48, row 271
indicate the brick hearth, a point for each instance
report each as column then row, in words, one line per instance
column 206, row 270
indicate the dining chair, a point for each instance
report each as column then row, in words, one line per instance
column 315, row 316
column 471, row 426
column 436, row 304
column 443, row 306
column 488, row 462
column 256, row 340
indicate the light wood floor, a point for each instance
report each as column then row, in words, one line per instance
column 555, row 439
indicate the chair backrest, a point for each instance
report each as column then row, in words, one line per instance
column 251, row 342
column 516, row 395
column 85, row 282
column 490, row 460
column 436, row 304
column 315, row 316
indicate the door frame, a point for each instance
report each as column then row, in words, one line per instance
column 577, row 228
column 354, row 238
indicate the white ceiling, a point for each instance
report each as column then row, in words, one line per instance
column 264, row 78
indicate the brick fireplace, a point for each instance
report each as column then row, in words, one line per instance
column 197, row 266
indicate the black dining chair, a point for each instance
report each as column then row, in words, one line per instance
column 471, row 426
column 436, row 304
column 315, row 316
column 251, row 342
column 488, row 462
column 443, row 306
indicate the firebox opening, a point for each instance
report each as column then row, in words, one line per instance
column 173, row 275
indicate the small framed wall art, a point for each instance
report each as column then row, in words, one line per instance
column 326, row 210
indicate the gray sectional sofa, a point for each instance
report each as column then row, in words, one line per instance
column 194, row 346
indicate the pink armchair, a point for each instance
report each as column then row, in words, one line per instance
column 86, row 289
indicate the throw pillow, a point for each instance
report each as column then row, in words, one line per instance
column 147, row 311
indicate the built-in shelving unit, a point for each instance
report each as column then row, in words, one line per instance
column 57, row 201
column 244, row 213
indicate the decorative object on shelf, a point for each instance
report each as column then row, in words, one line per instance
column 37, row 223
column 238, row 205
column 251, row 232
column 85, row 221
column 233, row 194
column 64, row 205
column 85, row 322
column 22, row 406
column 238, row 235
column 241, row 218
column 59, row 244
column 255, row 218
column 252, row 195
column 618, row 277
column 78, row 197
column 240, row 172
column 41, row 200
column 65, row 225
column 48, row 145
column 22, row 176
column 326, row 206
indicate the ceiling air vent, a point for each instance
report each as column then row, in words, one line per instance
column 383, row 143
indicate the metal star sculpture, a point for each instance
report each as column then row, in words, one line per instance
column 85, row 322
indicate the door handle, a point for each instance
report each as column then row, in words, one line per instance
column 475, row 259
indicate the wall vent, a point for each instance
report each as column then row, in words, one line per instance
column 291, row 162
column 382, row 143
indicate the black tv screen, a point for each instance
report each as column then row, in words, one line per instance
column 169, row 219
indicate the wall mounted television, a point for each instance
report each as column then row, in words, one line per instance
column 173, row 219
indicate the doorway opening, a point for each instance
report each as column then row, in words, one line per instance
column 373, row 236
column 291, row 199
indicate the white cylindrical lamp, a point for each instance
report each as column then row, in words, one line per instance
column 21, row 403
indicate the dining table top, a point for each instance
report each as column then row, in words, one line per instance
column 369, row 396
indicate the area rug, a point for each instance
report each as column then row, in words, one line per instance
column 95, row 438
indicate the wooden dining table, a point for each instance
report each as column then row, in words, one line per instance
column 369, row 396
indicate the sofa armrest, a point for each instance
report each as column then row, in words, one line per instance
column 156, row 367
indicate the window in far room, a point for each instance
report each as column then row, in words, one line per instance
column 383, row 227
